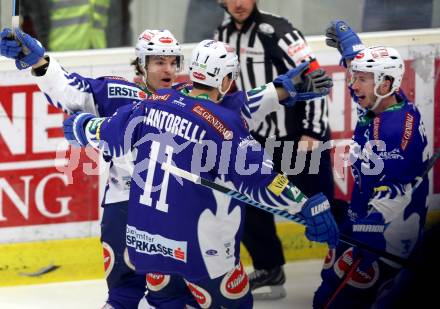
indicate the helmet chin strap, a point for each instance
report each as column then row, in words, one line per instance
column 379, row 97
column 222, row 93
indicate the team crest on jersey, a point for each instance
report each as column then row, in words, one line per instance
column 266, row 28
column 202, row 296
column 235, row 284
column 213, row 121
column 109, row 258
column 359, row 279
column 157, row 281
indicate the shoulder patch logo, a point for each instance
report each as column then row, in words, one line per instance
column 213, row 121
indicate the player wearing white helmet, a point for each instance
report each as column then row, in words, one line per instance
column 389, row 150
column 385, row 66
column 211, row 61
column 159, row 59
column 193, row 242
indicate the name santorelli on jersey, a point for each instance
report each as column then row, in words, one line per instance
column 177, row 125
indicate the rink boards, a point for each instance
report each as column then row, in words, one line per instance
column 49, row 214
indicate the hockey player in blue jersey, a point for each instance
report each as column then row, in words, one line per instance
column 389, row 149
column 176, row 229
column 159, row 58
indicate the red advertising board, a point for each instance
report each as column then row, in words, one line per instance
column 37, row 186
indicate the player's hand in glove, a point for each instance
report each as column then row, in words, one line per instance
column 390, row 199
column 370, row 231
column 74, row 129
column 320, row 224
column 341, row 36
column 26, row 50
column 301, row 86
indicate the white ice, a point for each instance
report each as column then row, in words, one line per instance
column 302, row 281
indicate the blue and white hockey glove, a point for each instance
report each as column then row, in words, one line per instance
column 74, row 129
column 370, row 231
column 22, row 47
column 341, row 36
column 320, row 224
column 301, row 86
column 390, row 199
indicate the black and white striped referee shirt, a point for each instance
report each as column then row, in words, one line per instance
column 267, row 46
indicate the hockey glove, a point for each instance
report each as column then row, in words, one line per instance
column 22, row 47
column 320, row 224
column 301, row 86
column 341, row 36
column 390, row 199
column 74, row 129
column 370, row 231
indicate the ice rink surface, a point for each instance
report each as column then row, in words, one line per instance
column 302, row 280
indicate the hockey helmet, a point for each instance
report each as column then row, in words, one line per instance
column 381, row 61
column 211, row 61
column 158, row 43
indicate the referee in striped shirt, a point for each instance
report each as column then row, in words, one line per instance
column 267, row 46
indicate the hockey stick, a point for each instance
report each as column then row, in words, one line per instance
column 344, row 282
column 15, row 23
column 283, row 213
column 15, row 14
column 244, row 198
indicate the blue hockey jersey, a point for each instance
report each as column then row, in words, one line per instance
column 391, row 148
column 102, row 96
column 175, row 226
